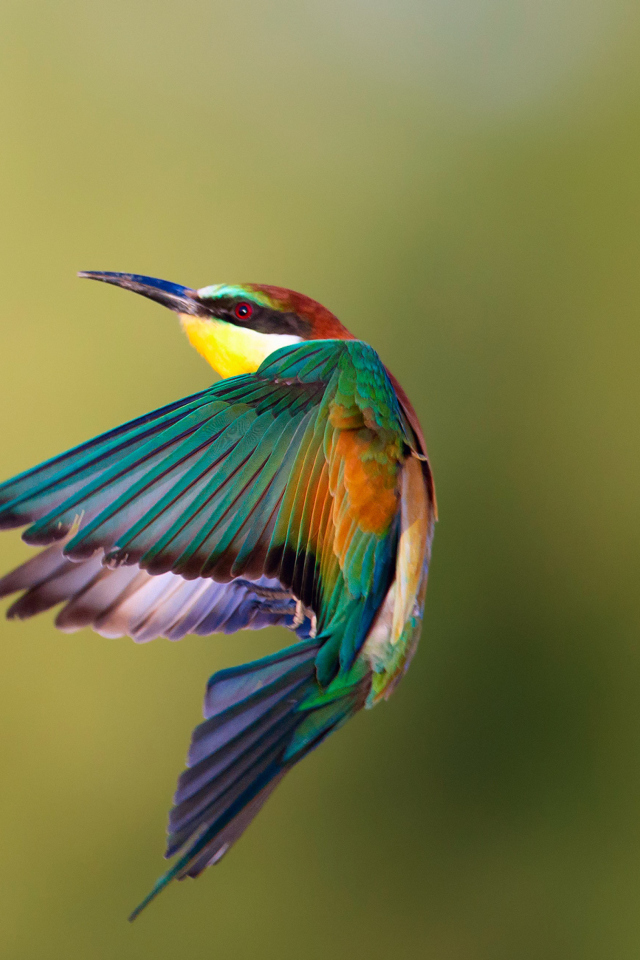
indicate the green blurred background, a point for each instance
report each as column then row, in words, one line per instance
column 459, row 180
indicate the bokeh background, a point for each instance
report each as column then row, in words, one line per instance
column 459, row 180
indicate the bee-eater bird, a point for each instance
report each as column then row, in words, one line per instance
column 295, row 491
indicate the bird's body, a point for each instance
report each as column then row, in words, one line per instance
column 295, row 491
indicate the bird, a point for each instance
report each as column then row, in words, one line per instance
column 295, row 491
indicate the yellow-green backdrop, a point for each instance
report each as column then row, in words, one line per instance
column 459, row 180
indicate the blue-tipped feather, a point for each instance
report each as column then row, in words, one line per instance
column 257, row 728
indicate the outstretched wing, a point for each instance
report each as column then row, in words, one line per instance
column 286, row 477
column 128, row 601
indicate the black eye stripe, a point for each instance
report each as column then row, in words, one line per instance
column 261, row 318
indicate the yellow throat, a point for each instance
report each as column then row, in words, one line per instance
column 229, row 349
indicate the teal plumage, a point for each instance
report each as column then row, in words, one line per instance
column 273, row 497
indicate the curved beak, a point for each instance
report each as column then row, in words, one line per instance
column 172, row 295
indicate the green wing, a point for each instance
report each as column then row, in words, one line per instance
column 289, row 474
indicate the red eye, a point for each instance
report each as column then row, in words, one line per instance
column 243, row 310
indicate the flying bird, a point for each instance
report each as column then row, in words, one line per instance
column 295, row 491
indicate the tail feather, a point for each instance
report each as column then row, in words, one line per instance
column 257, row 728
column 252, row 711
column 214, row 851
column 216, row 802
column 208, row 769
column 208, row 849
column 216, row 733
column 234, row 687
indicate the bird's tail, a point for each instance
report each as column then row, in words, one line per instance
column 261, row 718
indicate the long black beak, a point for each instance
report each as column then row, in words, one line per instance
column 171, row 295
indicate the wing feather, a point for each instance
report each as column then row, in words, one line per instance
column 289, row 474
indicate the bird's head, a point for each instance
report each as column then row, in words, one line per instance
column 235, row 327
